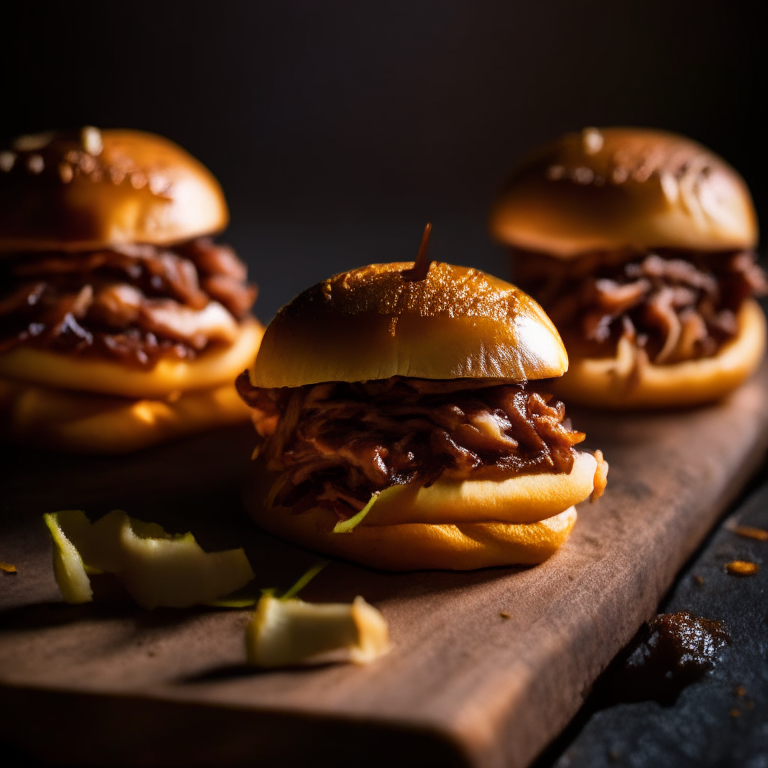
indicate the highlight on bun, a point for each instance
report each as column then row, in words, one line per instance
column 639, row 245
column 124, row 324
column 425, row 446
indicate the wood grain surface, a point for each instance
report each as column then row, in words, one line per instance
column 108, row 684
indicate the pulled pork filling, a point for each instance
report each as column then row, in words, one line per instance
column 672, row 305
column 336, row 444
column 134, row 303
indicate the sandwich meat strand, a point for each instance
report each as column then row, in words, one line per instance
column 674, row 306
column 336, row 444
column 133, row 303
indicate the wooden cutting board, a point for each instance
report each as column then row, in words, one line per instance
column 108, row 684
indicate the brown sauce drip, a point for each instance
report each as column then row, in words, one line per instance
column 670, row 653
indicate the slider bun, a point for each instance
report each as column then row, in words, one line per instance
column 610, row 382
column 521, row 499
column 370, row 323
column 111, row 377
column 94, row 189
column 616, row 188
column 451, row 525
column 81, row 423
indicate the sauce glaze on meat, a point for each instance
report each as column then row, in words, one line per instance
column 135, row 303
column 674, row 305
column 335, row 444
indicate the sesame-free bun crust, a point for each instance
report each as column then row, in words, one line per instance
column 96, row 189
column 371, row 323
column 82, row 423
column 417, row 546
column 28, row 364
column 624, row 188
column 451, row 525
column 517, row 500
column 612, row 382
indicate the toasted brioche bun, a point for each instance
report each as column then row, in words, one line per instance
column 104, row 188
column 110, row 377
column 83, row 423
column 371, row 323
column 624, row 188
column 94, row 189
column 420, row 546
column 518, row 500
column 453, row 525
column 613, row 383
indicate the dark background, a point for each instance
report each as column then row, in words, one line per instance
column 339, row 128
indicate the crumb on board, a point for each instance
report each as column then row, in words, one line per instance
column 8, row 568
column 748, row 532
column 742, row 568
column 699, row 580
column 735, row 713
column 740, row 691
column 504, row 615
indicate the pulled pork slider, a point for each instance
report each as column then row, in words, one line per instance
column 640, row 246
column 121, row 323
column 402, row 426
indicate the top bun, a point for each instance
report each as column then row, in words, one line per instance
column 94, row 189
column 374, row 323
column 619, row 188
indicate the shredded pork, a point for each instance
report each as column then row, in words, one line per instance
column 335, row 444
column 674, row 306
column 135, row 303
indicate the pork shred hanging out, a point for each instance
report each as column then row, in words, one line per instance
column 335, row 444
column 674, row 305
column 133, row 303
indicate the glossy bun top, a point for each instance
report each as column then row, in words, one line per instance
column 91, row 189
column 624, row 188
column 376, row 322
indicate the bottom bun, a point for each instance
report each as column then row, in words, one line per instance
column 614, row 382
column 105, row 376
column 405, row 546
column 76, row 422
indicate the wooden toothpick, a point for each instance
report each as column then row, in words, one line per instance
column 421, row 265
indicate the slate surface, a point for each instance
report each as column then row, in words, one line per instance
column 720, row 720
column 462, row 686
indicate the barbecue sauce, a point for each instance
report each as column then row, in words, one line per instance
column 669, row 653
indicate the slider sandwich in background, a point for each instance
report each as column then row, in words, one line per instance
column 122, row 324
column 403, row 425
column 639, row 244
